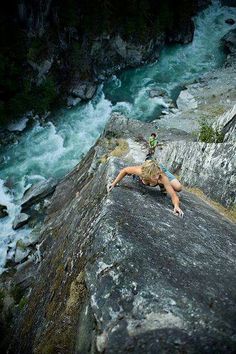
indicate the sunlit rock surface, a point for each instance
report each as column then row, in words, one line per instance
column 210, row 167
column 207, row 99
column 227, row 124
column 121, row 273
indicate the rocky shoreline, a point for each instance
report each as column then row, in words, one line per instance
column 84, row 91
column 95, row 58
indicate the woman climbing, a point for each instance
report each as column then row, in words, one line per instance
column 152, row 174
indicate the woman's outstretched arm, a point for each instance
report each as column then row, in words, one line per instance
column 131, row 170
column 174, row 197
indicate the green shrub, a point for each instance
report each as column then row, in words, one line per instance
column 208, row 134
column 22, row 303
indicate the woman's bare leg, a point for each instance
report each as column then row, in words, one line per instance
column 176, row 185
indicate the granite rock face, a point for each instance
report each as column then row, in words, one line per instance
column 185, row 35
column 227, row 124
column 210, row 167
column 85, row 91
column 20, row 220
column 207, row 99
column 121, row 273
column 38, row 192
column 110, row 54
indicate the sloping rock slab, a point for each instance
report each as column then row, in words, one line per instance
column 121, row 273
column 227, row 124
column 210, row 167
column 37, row 192
column 121, row 126
column 21, row 254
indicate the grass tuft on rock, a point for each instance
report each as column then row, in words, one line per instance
column 208, row 134
column 121, row 148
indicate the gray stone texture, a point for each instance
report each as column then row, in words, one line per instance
column 38, row 192
column 210, row 167
column 20, row 220
column 121, row 273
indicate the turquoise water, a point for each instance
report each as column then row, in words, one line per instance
column 177, row 65
column 53, row 149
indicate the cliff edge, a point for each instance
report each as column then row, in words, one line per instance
column 121, row 273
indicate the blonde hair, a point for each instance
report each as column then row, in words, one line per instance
column 150, row 169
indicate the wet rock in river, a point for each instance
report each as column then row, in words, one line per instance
column 3, row 211
column 20, row 220
column 156, row 93
column 73, row 101
column 83, row 90
column 22, row 251
column 230, row 21
column 186, row 101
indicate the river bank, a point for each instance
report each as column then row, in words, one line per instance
column 64, row 52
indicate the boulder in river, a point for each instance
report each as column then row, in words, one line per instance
column 230, row 21
column 20, row 220
column 73, row 101
column 156, row 93
column 186, row 101
column 19, row 125
column 3, row 211
column 84, row 91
